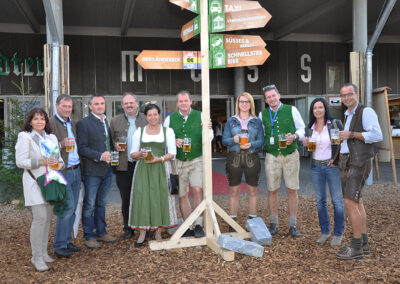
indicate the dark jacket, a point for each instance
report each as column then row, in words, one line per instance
column 60, row 131
column 92, row 142
column 335, row 123
column 119, row 127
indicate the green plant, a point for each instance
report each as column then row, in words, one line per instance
column 10, row 175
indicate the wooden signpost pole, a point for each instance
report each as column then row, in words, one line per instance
column 207, row 206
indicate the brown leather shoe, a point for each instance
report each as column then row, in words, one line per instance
column 92, row 244
column 107, row 238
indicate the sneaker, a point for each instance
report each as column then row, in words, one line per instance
column 347, row 253
column 366, row 249
column 47, row 258
column 63, row 252
column 92, row 244
column 336, row 241
column 294, row 232
column 273, row 229
column 107, row 238
column 323, row 238
column 39, row 264
column 188, row 233
column 198, row 232
column 73, row 247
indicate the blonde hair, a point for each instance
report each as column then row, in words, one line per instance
column 250, row 98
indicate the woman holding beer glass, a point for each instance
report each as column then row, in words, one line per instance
column 244, row 137
column 151, row 206
column 324, row 145
column 28, row 156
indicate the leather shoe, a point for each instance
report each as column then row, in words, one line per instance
column 73, row 247
column 273, row 228
column 138, row 245
column 198, row 232
column 293, row 231
column 106, row 239
column 149, row 234
column 64, row 252
column 128, row 233
column 188, row 233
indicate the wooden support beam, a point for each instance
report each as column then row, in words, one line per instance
column 228, row 218
column 127, row 17
column 180, row 243
column 28, row 14
column 308, row 18
column 226, row 255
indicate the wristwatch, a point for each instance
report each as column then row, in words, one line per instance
column 351, row 135
column 294, row 137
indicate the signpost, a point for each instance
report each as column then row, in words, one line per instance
column 217, row 51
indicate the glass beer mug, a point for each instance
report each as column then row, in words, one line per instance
column 121, row 141
column 244, row 138
column 187, row 144
column 335, row 139
column 149, row 156
column 312, row 144
column 71, row 145
column 282, row 140
column 114, row 158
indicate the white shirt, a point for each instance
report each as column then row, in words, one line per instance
column 166, row 122
column 370, row 123
column 171, row 147
column 298, row 122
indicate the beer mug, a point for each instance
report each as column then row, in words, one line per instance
column 114, row 158
column 187, row 144
column 121, row 141
column 71, row 144
column 312, row 144
column 55, row 166
column 335, row 139
column 244, row 138
column 282, row 140
column 149, row 156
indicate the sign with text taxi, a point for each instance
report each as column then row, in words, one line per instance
column 217, row 6
column 232, row 21
column 226, row 58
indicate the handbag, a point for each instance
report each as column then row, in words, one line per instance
column 174, row 178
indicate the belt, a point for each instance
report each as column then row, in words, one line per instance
column 73, row 167
column 344, row 155
column 321, row 162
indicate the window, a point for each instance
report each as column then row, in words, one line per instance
column 334, row 77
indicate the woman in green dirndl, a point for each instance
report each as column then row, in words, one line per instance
column 152, row 207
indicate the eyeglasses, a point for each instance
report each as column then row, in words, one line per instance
column 244, row 102
column 347, row 95
column 269, row 87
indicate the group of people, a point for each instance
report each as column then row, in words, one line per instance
column 143, row 172
column 342, row 162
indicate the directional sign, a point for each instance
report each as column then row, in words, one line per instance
column 217, row 6
column 239, row 57
column 256, row 18
column 228, row 41
column 160, row 59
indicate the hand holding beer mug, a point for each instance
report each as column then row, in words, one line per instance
column 312, row 144
column 282, row 140
column 121, row 142
column 53, row 163
column 187, row 144
column 244, row 138
column 114, row 158
column 148, row 157
column 70, row 144
column 335, row 139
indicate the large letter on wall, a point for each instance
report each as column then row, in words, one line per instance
column 4, row 61
column 132, row 63
column 306, row 78
column 253, row 78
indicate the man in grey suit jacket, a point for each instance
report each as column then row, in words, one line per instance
column 94, row 146
column 124, row 125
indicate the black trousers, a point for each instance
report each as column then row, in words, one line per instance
column 124, row 183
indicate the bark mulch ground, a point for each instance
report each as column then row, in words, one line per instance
column 286, row 260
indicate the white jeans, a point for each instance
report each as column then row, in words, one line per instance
column 40, row 229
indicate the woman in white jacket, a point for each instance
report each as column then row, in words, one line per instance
column 28, row 157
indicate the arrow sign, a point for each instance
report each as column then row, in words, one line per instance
column 233, row 21
column 160, row 59
column 239, row 57
column 228, row 41
column 218, row 6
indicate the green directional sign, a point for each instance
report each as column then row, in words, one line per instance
column 216, row 41
column 218, row 58
column 196, row 25
column 217, row 23
column 195, row 6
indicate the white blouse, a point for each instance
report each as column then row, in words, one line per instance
column 171, row 146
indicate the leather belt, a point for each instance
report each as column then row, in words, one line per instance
column 321, row 162
column 73, row 167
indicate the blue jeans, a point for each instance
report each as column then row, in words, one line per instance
column 63, row 230
column 94, row 205
column 322, row 174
